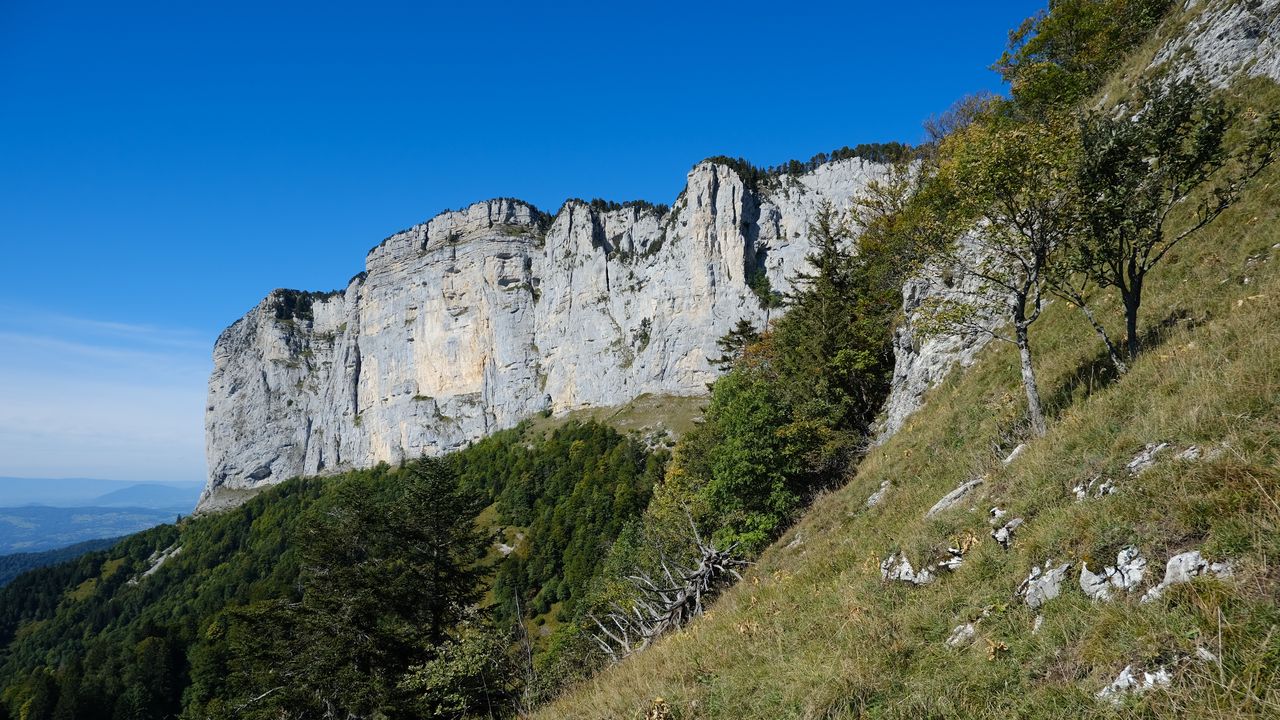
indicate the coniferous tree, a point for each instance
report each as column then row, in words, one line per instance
column 388, row 572
column 734, row 343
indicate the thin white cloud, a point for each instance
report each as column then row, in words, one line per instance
column 92, row 398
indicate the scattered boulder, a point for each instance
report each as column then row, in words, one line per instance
column 1041, row 586
column 962, row 635
column 952, row 560
column 1035, row 625
column 995, row 513
column 1134, row 682
column 897, row 567
column 950, row 499
column 1096, row 487
column 877, row 496
column 1182, row 568
column 1016, row 452
column 1204, row 655
column 1126, row 574
column 1004, row 534
column 1145, row 459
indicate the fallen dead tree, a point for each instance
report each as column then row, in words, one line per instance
column 666, row 603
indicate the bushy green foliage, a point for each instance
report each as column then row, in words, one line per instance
column 297, row 304
column 11, row 566
column 388, row 570
column 1059, row 57
column 1133, row 174
column 572, row 494
column 357, row 592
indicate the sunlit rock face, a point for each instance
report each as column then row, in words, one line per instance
column 484, row 316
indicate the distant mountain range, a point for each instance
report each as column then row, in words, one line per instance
column 11, row 566
column 40, row 514
column 90, row 492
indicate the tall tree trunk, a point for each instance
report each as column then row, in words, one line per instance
column 1035, row 412
column 1112, row 351
column 1132, row 300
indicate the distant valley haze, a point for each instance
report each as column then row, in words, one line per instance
column 38, row 514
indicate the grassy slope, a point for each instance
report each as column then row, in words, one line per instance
column 813, row 631
column 648, row 413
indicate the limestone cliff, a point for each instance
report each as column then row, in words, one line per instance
column 481, row 317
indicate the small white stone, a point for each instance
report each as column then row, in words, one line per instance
column 1016, row 452
column 962, row 635
column 1041, row 586
column 952, row 498
column 1004, row 535
column 877, row 496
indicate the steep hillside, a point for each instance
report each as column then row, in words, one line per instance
column 826, row 625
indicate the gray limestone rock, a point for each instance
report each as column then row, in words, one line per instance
column 1041, row 586
column 1125, row 575
column 896, row 568
column 1227, row 39
column 1134, row 682
column 955, row 496
column 962, row 635
column 1004, row 534
column 876, row 497
column 923, row 360
column 1097, row 487
column 1146, row 458
column 481, row 317
column 1182, row 568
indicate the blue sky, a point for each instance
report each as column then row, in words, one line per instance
column 164, row 165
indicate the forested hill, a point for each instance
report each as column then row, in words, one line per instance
column 318, row 580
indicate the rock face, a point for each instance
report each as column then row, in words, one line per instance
column 481, row 317
column 922, row 361
column 1226, row 38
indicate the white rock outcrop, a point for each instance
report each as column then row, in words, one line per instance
column 1226, row 39
column 1043, row 585
column 481, row 317
column 922, row 360
column 952, row 498
column 1182, row 568
column 1125, row 575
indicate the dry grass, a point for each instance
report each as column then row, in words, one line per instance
column 814, row 633
column 646, row 414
